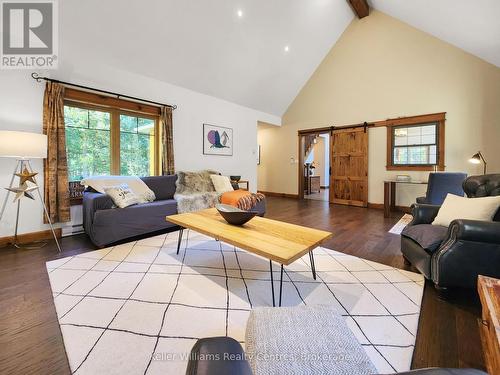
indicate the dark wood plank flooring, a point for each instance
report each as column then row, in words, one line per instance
column 31, row 342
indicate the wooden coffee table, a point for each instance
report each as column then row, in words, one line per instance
column 274, row 240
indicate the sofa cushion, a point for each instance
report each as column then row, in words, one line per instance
column 116, row 224
column 428, row 236
column 162, row 186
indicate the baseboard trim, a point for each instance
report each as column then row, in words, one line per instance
column 380, row 206
column 30, row 237
column 282, row 195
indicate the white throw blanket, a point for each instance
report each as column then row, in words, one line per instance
column 138, row 187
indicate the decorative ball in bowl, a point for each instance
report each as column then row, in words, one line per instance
column 234, row 215
column 235, row 178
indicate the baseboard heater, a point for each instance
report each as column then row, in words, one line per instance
column 72, row 230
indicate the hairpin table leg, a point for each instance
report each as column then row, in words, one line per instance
column 179, row 240
column 313, row 267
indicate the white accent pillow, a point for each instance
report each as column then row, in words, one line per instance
column 139, row 187
column 455, row 207
column 222, row 184
column 122, row 195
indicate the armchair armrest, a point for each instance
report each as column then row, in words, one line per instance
column 476, row 230
column 423, row 213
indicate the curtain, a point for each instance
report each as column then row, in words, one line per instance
column 167, row 140
column 55, row 166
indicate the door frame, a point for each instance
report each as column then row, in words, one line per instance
column 301, row 135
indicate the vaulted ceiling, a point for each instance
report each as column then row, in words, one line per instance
column 257, row 53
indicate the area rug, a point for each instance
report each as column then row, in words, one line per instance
column 138, row 308
column 401, row 224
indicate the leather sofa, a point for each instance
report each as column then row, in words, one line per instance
column 225, row 356
column 455, row 256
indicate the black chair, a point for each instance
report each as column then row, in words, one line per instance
column 455, row 256
column 440, row 184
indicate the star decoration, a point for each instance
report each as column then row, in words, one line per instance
column 23, row 191
column 26, row 176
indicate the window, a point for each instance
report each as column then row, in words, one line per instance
column 107, row 136
column 416, row 145
column 88, row 142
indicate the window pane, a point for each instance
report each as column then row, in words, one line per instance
column 432, row 154
column 137, row 146
column 418, row 155
column 146, row 126
column 99, row 120
column 87, row 149
column 429, row 129
column 400, row 137
column 136, row 154
column 429, row 139
column 400, row 155
column 128, row 124
column 77, row 117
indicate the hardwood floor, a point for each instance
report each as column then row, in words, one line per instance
column 31, row 342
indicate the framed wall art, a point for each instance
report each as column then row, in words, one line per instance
column 217, row 140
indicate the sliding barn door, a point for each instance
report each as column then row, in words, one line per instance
column 349, row 166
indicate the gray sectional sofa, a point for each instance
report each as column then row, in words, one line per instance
column 105, row 224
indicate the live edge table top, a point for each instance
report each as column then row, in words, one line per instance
column 275, row 240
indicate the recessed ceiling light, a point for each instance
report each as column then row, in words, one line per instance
column 287, row 48
column 239, row 13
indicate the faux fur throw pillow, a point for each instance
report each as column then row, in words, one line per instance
column 194, row 182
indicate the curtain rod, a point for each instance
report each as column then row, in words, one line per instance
column 39, row 78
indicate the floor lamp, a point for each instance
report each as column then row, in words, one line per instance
column 24, row 146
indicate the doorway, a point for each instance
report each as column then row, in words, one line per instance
column 315, row 165
column 333, row 165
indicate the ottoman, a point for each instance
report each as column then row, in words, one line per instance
column 303, row 340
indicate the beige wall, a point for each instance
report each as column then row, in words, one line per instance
column 382, row 68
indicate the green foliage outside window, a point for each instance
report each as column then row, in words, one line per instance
column 88, row 144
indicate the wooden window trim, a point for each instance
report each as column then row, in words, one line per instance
column 86, row 97
column 116, row 107
column 439, row 119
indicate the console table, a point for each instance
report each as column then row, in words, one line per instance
column 390, row 193
column 489, row 292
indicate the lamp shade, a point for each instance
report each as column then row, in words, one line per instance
column 22, row 145
column 475, row 159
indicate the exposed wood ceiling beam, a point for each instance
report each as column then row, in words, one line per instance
column 360, row 7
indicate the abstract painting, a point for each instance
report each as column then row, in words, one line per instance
column 217, row 140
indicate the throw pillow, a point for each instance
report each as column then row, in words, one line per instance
column 122, row 195
column 99, row 183
column 455, row 207
column 222, row 184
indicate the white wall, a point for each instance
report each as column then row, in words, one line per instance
column 21, row 109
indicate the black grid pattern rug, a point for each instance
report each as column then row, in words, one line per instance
column 138, row 308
